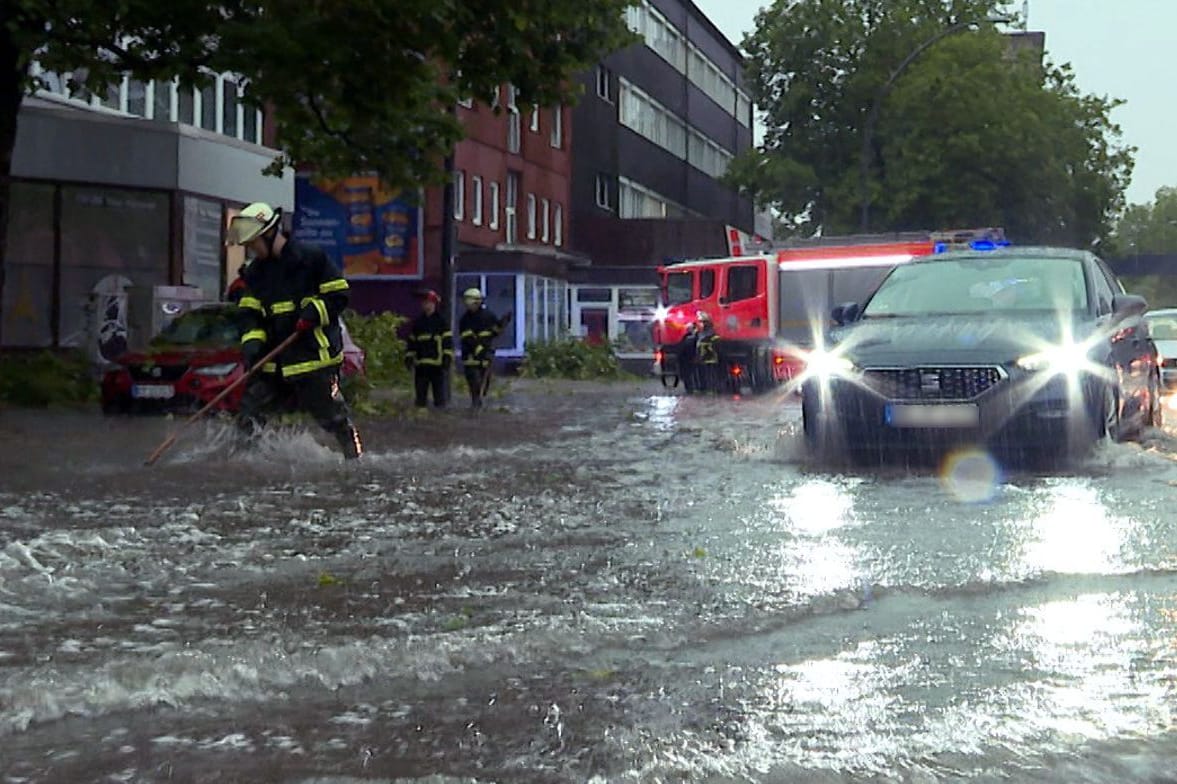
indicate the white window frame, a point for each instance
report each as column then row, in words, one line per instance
column 604, row 91
column 476, row 207
column 531, row 217
column 558, row 225
column 514, row 123
column 494, row 206
column 511, row 208
column 603, row 193
column 534, row 123
column 545, row 226
column 459, row 186
column 558, row 128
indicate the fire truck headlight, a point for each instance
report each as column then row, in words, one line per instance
column 660, row 313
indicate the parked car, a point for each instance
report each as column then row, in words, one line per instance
column 190, row 362
column 1026, row 349
column 1162, row 327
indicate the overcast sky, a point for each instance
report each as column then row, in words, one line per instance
column 1120, row 48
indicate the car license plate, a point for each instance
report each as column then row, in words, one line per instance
column 933, row 416
column 153, row 391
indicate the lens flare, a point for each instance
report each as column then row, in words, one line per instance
column 971, row 476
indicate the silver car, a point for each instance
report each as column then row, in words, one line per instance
column 1162, row 325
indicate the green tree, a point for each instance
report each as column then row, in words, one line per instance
column 968, row 135
column 1147, row 228
column 364, row 85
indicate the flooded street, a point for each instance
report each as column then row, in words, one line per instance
column 584, row 584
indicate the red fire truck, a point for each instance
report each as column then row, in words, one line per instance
column 769, row 309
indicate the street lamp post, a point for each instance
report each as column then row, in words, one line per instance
column 873, row 118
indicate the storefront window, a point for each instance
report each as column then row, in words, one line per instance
column 500, row 298
column 28, row 285
column 111, row 240
column 202, row 246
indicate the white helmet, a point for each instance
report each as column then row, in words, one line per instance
column 472, row 295
column 253, row 221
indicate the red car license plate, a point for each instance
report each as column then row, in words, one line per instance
column 153, row 391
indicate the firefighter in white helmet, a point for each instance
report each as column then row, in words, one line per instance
column 478, row 329
column 290, row 287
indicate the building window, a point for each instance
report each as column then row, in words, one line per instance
column 208, row 107
column 604, row 88
column 636, row 201
column 466, row 103
column 534, row 119
column 494, row 98
column 136, row 98
column 531, row 216
column 494, row 206
column 604, row 192
column 646, row 117
column 253, row 122
column 545, row 209
column 229, row 101
column 476, row 204
column 187, row 105
column 514, row 130
column 511, row 208
column 459, row 186
column 161, row 101
column 558, row 127
column 558, row 225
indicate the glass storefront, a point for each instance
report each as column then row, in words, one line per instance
column 28, row 287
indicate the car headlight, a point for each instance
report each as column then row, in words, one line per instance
column 826, row 364
column 1060, row 359
column 216, row 370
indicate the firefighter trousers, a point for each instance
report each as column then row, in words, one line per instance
column 431, row 377
column 316, row 394
column 478, row 380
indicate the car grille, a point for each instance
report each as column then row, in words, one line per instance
column 157, row 373
column 933, row 383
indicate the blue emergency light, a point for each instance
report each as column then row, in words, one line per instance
column 982, row 245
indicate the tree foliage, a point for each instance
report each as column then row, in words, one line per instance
column 1148, row 228
column 968, row 134
column 363, row 85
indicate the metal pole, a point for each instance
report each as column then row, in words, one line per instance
column 866, row 157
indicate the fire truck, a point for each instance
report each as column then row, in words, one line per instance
column 769, row 309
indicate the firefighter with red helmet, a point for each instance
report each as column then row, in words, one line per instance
column 291, row 288
column 431, row 351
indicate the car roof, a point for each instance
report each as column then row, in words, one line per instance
column 1021, row 251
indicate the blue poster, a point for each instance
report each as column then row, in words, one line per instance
column 368, row 229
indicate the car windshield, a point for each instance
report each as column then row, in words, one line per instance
column 977, row 286
column 678, row 288
column 1163, row 327
column 200, row 327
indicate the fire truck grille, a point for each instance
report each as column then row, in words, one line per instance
column 933, row 383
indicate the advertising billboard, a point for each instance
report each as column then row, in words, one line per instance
column 368, row 229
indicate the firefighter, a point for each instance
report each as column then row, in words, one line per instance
column 707, row 354
column 687, row 371
column 237, row 287
column 431, row 351
column 478, row 329
column 291, row 288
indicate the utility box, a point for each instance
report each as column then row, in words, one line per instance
column 151, row 308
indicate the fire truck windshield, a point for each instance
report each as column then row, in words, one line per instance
column 677, row 288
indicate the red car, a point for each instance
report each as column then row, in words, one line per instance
column 190, row 363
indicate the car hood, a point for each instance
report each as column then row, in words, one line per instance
column 182, row 355
column 1166, row 348
column 993, row 340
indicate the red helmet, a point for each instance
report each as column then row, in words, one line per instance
column 429, row 295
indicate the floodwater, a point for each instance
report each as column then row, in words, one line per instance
column 583, row 584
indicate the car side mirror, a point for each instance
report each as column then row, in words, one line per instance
column 1129, row 305
column 845, row 313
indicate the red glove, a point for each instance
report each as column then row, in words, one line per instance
column 304, row 325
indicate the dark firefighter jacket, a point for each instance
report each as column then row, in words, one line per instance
column 707, row 353
column 431, row 342
column 302, row 283
column 478, row 331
